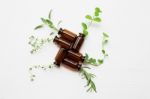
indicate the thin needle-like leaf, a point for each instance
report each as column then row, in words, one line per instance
column 50, row 13
column 38, row 27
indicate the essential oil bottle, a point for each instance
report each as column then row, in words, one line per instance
column 78, row 43
column 67, row 35
column 72, row 64
column 75, row 56
column 60, row 56
column 63, row 43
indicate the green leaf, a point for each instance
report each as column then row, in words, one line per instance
column 84, row 26
column 89, row 17
column 97, row 19
column 93, row 86
column 96, row 13
column 100, row 61
column 103, row 51
column 86, row 56
column 92, row 61
column 88, row 82
column 46, row 21
column 50, row 13
column 59, row 22
column 43, row 20
column 85, row 32
column 49, row 22
column 105, row 41
column 105, row 34
column 97, row 9
column 38, row 27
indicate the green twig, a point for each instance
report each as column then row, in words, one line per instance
column 37, row 43
column 48, row 22
column 91, row 19
column 89, row 78
column 43, row 67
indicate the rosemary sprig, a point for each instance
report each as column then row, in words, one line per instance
column 89, row 78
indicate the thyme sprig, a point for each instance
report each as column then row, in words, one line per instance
column 37, row 43
column 89, row 78
column 43, row 67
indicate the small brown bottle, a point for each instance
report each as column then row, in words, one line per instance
column 78, row 43
column 60, row 56
column 63, row 43
column 75, row 56
column 72, row 64
column 68, row 35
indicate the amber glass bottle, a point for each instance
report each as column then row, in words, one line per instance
column 72, row 64
column 67, row 35
column 63, row 43
column 60, row 56
column 75, row 56
column 78, row 43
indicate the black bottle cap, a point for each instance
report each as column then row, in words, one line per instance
column 55, row 39
column 60, row 31
column 81, row 34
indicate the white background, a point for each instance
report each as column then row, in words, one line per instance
column 124, row 75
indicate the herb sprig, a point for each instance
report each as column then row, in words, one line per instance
column 91, row 18
column 93, row 61
column 104, row 42
column 37, row 43
column 43, row 67
column 95, row 18
column 48, row 22
column 97, row 62
column 89, row 77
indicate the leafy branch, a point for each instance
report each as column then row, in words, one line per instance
column 37, row 43
column 104, row 42
column 48, row 22
column 91, row 19
column 93, row 61
column 43, row 67
column 97, row 62
column 89, row 78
